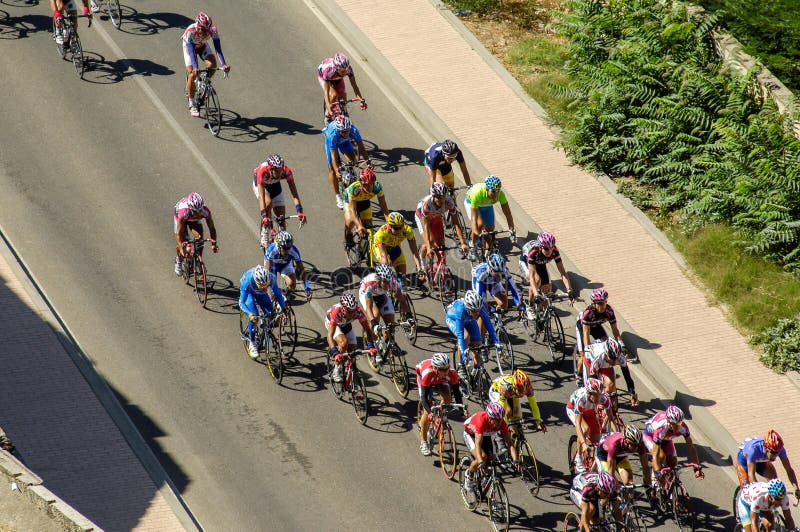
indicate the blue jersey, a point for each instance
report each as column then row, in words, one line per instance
column 485, row 283
column 334, row 140
column 250, row 294
column 458, row 318
column 752, row 450
column 278, row 261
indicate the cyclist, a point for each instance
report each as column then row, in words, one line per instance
column 429, row 217
column 267, row 178
column 601, row 358
column 461, row 317
column 386, row 244
column 492, row 278
column 659, row 431
column 756, row 455
column 590, row 491
column 189, row 214
column 435, row 375
column 582, row 413
column 331, row 73
column 194, row 42
column 283, row 257
column 479, row 206
column 71, row 7
column 756, row 502
column 341, row 336
column 255, row 287
column 373, row 294
column 478, row 431
column 439, row 158
column 613, row 450
column 590, row 321
column 342, row 136
column 533, row 265
column 358, row 206
column 507, row 390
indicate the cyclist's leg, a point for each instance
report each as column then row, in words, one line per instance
column 766, row 470
column 210, row 59
column 397, row 260
column 486, row 222
column 386, row 309
column 625, row 471
column 424, row 418
column 248, row 306
column 289, row 275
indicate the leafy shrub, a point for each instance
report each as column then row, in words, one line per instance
column 781, row 345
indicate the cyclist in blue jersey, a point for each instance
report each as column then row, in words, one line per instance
column 461, row 318
column 756, row 456
column 283, row 257
column 439, row 159
column 492, row 278
column 255, row 287
column 342, row 136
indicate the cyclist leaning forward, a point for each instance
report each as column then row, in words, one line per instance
column 267, row 178
column 439, row 159
column 342, row 136
column 430, row 222
column 756, row 501
column 507, row 390
column 462, row 320
column 582, row 412
column 478, row 431
column 601, row 358
column 659, row 431
column 194, row 42
column 613, row 450
column 341, row 336
column 358, row 206
column 590, row 322
column 435, row 375
column 756, row 456
column 479, row 206
column 591, row 490
column 188, row 215
column 386, row 245
column 283, row 257
column 373, row 294
column 255, row 288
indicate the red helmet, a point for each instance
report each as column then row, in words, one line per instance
column 773, row 441
column 367, row 176
column 599, row 295
column 203, row 21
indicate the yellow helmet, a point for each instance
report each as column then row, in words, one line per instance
column 396, row 219
column 522, row 382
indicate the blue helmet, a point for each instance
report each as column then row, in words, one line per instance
column 496, row 262
column 493, row 183
column 776, row 488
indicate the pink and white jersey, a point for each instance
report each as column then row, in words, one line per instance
column 185, row 214
column 756, row 495
column 596, row 357
column 371, row 286
column 198, row 38
column 263, row 176
column 580, row 403
column 427, row 208
column 336, row 317
column 327, row 72
column 657, row 429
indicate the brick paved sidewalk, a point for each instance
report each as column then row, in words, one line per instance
column 647, row 287
column 61, row 430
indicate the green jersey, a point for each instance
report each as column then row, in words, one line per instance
column 477, row 196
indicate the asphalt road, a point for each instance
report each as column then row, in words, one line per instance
column 90, row 171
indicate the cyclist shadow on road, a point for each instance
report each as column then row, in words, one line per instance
column 237, row 128
column 223, row 295
column 390, row 160
column 103, row 72
column 21, row 27
column 137, row 23
column 387, row 413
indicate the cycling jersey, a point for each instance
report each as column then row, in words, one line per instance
column 753, row 450
column 612, row 444
column 480, row 423
column 385, row 236
column 279, row 262
column 485, row 283
column 327, row 71
column 428, row 375
column 335, row 316
column 532, row 251
column 356, row 192
column 503, row 391
column 250, row 294
column 755, row 497
column 334, row 140
column 427, row 208
column 194, row 40
column 585, row 489
column 370, row 287
column 262, row 175
column 434, row 159
column 580, row 403
column 657, row 429
column 592, row 317
column 458, row 318
column 596, row 358
column 477, row 196
column 183, row 213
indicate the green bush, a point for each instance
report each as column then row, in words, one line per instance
column 781, row 345
column 479, row 7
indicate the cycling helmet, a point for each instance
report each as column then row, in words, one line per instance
column 284, row 239
column 342, row 123
column 367, row 176
column 492, row 183
column 440, row 360
column 613, row 349
column 261, row 275
column 773, row 441
column 594, row 386
column 384, row 272
column 438, row 189
column 522, row 382
column 496, row 262
column 496, row 411
column 396, row 219
column 195, row 202
column 449, row 148
column 633, row 434
column 275, row 161
column 776, row 488
column 341, row 61
column 546, row 239
column 472, row 300
column 203, row 21
column 674, row 414
column 599, row 295
column 606, row 483
column 348, row 301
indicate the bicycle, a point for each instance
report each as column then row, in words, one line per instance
column 572, row 452
column 528, row 466
column 450, row 223
column 547, row 323
column 193, row 267
column 488, row 485
column 440, row 276
column 778, row 520
column 350, row 172
column 408, row 323
column 286, row 324
column 359, row 248
column 339, row 107
column 207, row 99
column 268, row 231
column 671, row 496
column 266, row 341
column 507, row 355
column 112, row 9
column 480, row 253
column 70, row 41
column 440, row 432
column 477, row 383
column 631, row 518
column 607, row 523
column 391, row 352
column 352, row 383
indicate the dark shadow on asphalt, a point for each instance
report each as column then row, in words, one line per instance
column 22, row 27
column 136, row 23
column 237, row 128
column 390, row 160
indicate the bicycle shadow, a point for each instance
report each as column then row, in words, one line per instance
column 387, row 414
column 137, row 23
column 238, row 128
column 305, row 374
column 223, row 295
column 22, row 27
column 392, row 159
column 20, row 3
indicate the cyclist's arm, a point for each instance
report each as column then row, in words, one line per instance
column 509, row 218
column 564, row 275
column 401, row 298
column 534, row 406
column 264, row 201
column 645, row 468
column 479, row 447
column 368, row 299
column 278, row 293
column 431, row 174
column 512, row 286
column 337, row 161
column 182, row 233
column 295, row 196
column 362, row 151
column 626, row 374
column 751, row 471
column 692, row 450
column 212, row 228
column 218, row 48
column 533, row 280
column 787, row 466
column 383, row 254
column 586, row 334
column 465, row 173
column 456, row 390
column 427, row 237
column 331, row 330
column 243, row 298
column 412, row 243
column 423, row 398
column 582, row 439
column 487, row 322
column 384, row 207
column 353, row 83
column 615, row 331
column 462, row 343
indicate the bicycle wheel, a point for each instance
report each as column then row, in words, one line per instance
column 76, row 50
column 448, row 451
column 482, row 383
column 200, row 287
column 572, row 522
column 353, row 252
column 554, row 337
column 466, row 385
column 529, row 467
column 289, row 333
column 577, row 360
column 497, row 500
column 62, row 50
column 114, row 12
column 465, row 229
column 275, row 357
column 633, row 521
column 470, row 497
column 572, row 450
column 336, row 387
column 683, row 508
column 358, row 397
column 398, row 368
column 508, row 350
column 243, row 332
column 212, row 111
column 410, row 330
column 736, row 493
column 448, row 290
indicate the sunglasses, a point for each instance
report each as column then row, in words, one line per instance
column 396, row 227
column 547, row 249
column 771, row 451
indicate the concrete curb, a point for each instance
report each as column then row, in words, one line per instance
column 45, row 500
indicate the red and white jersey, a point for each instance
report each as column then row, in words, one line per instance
column 371, row 286
column 184, row 213
column 262, row 175
column 580, row 403
column 198, row 38
column 756, row 495
column 480, row 423
column 657, row 428
column 426, row 208
column 336, row 317
column 596, row 357
column 427, row 375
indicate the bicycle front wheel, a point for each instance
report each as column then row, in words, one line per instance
column 633, row 521
column 572, row 522
column 497, row 500
column 275, row 358
column 683, row 509
column 469, row 496
column 572, row 451
column 482, row 383
column 554, row 337
column 212, row 111
column 337, row 387
column 200, row 287
column 411, row 330
column 358, row 397
column 508, row 351
column 448, row 290
column 114, row 12
column 289, row 333
column 529, row 467
column 399, row 370
column 448, row 451
column 76, row 50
